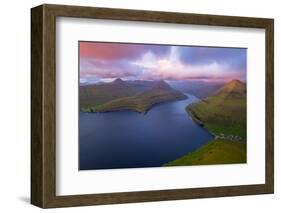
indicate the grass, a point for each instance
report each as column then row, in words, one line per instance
column 94, row 95
column 224, row 115
column 215, row 152
column 221, row 116
column 140, row 102
column 122, row 95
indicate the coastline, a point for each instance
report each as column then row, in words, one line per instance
column 197, row 120
column 134, row 109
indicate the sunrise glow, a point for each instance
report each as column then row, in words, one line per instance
column 105, row 61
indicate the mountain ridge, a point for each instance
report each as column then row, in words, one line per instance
column 234, row 88
column 161, row 85
column 224, row 112
column 95, row 94
column 142, row 101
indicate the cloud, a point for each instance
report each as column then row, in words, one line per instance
column 154, row 62
column 236, row 57
column 93, row 68
column 118, row 51
column 169, row 70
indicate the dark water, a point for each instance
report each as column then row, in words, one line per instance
column 132, row 140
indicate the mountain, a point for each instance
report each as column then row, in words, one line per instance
column 141, row 85
column 141, row 102
column 233, row 89
column 214, row 152
column 119, row 81
column 162, row 85
column 223, row 113
column 199, row 88
column 96, row 94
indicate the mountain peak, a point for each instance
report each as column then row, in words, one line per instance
column 162, row 85
column 234, row 88
column 120, row 83
column 235, row 85
column 118, row 80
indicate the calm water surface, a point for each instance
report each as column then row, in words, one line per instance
column 132, row 140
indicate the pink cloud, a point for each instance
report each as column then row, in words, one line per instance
column 114, row 60
column 108, row 51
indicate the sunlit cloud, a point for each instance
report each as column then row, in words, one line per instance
column 153, row 62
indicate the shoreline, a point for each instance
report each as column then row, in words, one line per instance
column 198, row 121
column 149, row 107
column 220, row 136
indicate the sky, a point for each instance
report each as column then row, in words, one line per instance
column 107, row 61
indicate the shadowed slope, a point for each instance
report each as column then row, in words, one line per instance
column 93, row 95
column 141, row 102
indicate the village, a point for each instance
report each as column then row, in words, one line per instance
column 228, row 137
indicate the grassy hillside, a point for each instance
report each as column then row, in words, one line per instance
column 223, row 113
column 94, row 95
column 141, row 102
column 215, row 152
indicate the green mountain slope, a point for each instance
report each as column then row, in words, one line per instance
column 223, row 113
column 94, row 95
column 215, row 152
column 141, row 102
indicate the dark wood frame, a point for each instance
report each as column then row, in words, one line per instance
column 43, row 105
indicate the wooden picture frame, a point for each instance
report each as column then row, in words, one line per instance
column 43, row 105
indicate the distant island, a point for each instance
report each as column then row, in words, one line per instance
column 121, row 95
column 224, row 115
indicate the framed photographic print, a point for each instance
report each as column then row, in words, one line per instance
column 136, row 106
